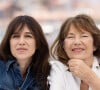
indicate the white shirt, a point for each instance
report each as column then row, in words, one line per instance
column 61, row 79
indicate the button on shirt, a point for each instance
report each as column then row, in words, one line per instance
column 11, row 79
column 61, row 79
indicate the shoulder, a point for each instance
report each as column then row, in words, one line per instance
column 57, row 78
column 56, row 64
column 2, row 66
column 2, row 63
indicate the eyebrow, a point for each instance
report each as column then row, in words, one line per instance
column 70, row 34
column 80, row 32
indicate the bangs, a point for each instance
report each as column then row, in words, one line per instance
column 21, row 26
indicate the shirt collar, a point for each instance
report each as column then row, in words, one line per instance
column 9, row 63
column 96, row 63
column 29, row 68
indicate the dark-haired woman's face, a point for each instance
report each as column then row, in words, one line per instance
column 79, row 45
column 23, row 44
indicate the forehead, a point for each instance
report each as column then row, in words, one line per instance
column 22, row 29
column 72, row 28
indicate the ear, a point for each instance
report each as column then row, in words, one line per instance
column 94, row 48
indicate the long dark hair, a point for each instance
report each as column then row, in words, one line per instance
column 40, row 64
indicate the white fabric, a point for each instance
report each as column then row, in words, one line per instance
column 61, row 79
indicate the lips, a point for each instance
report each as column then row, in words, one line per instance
column 77, row 49
column 21, row 49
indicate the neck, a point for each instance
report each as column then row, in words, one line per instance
column 23, row 69
column 23, row 66
column 89, row 61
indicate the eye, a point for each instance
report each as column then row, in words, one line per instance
column 84, row 35
column 70, row 36
column 29, row 36
column 15, row 36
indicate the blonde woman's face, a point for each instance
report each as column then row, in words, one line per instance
column 23, row 44
column 79, row 45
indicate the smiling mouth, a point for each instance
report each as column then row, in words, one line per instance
column 77, row 49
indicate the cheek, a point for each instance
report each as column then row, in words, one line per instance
column 12, row 47
column 67, row 46
column 90, row 46
column 33, row 46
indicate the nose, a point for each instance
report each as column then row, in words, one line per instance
column 77, row 41
column 21, row 41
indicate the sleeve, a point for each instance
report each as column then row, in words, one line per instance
column 56, row 80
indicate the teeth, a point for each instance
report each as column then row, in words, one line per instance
column 77, row 49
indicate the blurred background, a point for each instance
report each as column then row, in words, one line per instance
column 50, row 13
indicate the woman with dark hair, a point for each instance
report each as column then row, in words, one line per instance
column 24, row 56
column 77, row 54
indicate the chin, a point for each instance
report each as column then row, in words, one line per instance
column 78, row 57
